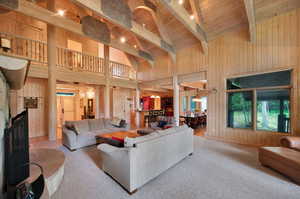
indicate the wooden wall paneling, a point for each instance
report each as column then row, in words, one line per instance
column 37, row 117
column 276, row 48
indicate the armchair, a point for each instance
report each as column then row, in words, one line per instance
column 291, row 142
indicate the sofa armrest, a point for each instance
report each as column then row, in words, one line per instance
column 116, row 162
column 291, row 142
column 108, row 149
column 69, row 138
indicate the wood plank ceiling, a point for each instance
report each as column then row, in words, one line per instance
column 217, row 17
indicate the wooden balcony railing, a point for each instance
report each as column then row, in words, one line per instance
column 31, row 49
column 78, row 61
column 36, row 51
column 122, row 70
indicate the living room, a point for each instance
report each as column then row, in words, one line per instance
column 149, row 99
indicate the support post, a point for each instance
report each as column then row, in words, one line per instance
column 51, row 52
column 137, row 102
column 97, row 100
column 107, row 83
column 176, row 99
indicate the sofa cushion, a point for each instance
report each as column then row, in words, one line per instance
column 167, row 131
column 107, row 123
column 96, row 124
column 101, row 131
column 82, row 126
column 180, row 128
column 130, row 142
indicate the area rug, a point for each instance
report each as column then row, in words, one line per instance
column 216, row 170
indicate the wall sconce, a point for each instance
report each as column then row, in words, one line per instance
column 214, row 90
column 90, row 94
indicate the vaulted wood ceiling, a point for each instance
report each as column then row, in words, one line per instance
column 215, row 17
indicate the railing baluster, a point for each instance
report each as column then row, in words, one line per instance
column 66, row 58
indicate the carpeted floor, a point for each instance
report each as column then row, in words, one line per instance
column 215, row 171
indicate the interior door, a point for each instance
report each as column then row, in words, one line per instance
column 68, row 108
column 121, row 104
column 59, row 112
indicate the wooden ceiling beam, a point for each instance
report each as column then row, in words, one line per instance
column 134, row 63
column 197, row 13
column 249, row 5
column 42, row 14
column 180, row 13
column 124, row 20
column 156, row 16
column 117, row 32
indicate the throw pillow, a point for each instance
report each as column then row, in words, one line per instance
column 161, row 124
column 73, row 128
column 76, row 130
column 122, row 124
column 116, row 122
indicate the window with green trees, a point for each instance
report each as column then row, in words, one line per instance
column 240, row 109
column 260, row 102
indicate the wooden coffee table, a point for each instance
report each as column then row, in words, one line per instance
column 107, row 137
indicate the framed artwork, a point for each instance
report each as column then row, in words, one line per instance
column 31, row 102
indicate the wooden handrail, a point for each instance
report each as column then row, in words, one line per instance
column 36, row 51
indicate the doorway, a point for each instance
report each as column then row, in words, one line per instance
column 123, row 104
column 193, row 105
column 66, row 107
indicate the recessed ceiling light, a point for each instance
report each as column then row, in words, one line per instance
column 122, row 39
column 192, row 17
column 180, row 2
column 61, row 12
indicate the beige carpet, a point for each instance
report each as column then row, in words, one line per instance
column 216, row 171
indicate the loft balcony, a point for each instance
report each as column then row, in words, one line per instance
column 73, row 61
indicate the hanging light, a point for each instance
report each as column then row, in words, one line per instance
column 192, row 17
column 180, row 2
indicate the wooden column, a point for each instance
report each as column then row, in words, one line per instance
column 137, row 102
column 51, row 52
column 97, row 102
column 176, row 99
column 107, row 83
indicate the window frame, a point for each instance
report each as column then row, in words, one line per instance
column 254, row 107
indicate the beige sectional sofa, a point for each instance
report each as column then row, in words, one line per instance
column 144, row 158
column 77, row 134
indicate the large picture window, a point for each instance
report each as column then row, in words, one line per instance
column 260, row 102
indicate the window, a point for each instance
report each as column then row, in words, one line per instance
column 203, row 104
column 273, row 110
column 264, row 98
column 184, row 105
column 240, row 109
column 193, row 103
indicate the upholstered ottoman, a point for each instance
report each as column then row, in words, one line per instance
column 284, row 160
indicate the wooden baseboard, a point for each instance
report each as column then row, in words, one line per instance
column 232, row 141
